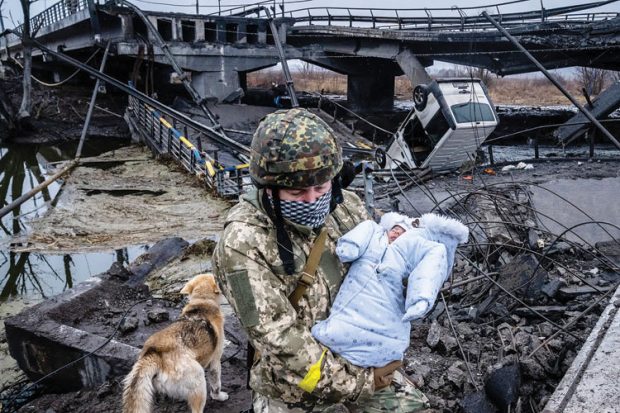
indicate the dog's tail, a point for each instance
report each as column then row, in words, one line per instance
column 138, row 385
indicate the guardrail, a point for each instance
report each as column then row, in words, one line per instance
column 535, row 146
column 164, row 134
column 58, row 11
column 245, row 9
column 428, row 18
column 51, row 15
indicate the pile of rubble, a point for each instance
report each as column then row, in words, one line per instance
column 520, row 305
column 504, row 331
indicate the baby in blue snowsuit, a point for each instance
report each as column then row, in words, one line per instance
column 369, row 323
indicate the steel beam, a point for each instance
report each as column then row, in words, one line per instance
column 552, row 79
column 91, row 106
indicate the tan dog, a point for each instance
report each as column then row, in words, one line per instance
column 173, row 360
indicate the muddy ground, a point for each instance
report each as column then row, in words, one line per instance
column 58, row 114
column 551, row 282
column 512, row 285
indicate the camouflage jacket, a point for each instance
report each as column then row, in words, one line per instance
column 293, row 367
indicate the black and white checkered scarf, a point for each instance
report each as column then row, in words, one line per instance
column 311, row 214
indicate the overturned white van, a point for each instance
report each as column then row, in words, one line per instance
column 449, row 121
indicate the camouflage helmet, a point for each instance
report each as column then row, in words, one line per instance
column 294, row 149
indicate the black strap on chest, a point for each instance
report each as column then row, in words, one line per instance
column 285, row 246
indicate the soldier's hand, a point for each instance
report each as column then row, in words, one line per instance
column 383, row 375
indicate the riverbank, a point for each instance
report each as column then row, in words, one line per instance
column 58, row 114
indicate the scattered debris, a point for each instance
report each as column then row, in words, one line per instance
column 159, row 201
column 520, row 165
column 502, row 386
column 158, row 315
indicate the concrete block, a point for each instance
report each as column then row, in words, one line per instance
column 592, row 383
column 64, row 330
column 40, row 345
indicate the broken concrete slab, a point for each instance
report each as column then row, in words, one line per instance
column 55, row 333
column 577, row 290
column 611, row 250
column 592, row 380
column 605, row 103
column 42, row 344
column 523, row 276
column 549, row 311
column 77, row 325
column 156, row 257
column 551, row 288
column 164, row 202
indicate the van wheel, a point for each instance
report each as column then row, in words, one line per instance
column 420, row 97
column 380, row 158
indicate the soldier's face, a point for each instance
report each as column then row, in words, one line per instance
column 307, row 194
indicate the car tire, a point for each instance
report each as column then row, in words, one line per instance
column 420, row 97
column 380, row 158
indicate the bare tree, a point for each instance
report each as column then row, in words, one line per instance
column 306, row 69
column 3, row 39
column 7, row 112
column 483, row 74
column 27, row 35
column 468, row 71
column 591, row 79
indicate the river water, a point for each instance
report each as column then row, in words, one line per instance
column 516, row 153
column 26, row 278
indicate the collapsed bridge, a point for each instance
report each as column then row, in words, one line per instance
column 370, row 46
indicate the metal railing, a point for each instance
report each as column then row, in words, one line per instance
column 535, row 146
column 165, row 134
column 51, row 15
column 335, row 109
column 453, row 18
column 246, row 9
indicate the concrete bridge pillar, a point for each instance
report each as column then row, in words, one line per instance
column 262, row 32
column 370, row 92
column 412, row 67
column 153, row 20
column 200, row 31
column 127, row 26
column 370, row 80
column 216, row 84
column 177, row 32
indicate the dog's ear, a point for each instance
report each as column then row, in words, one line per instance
column 213, row 283
column 188, row 288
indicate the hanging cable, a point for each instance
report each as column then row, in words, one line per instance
column 62, row 82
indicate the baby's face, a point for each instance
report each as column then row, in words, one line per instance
column 395, row 232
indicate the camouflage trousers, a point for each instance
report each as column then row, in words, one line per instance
column 400, row 397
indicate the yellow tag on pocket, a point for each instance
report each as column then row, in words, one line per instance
column 313, row 376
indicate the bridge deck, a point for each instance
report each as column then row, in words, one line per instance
column 558, row 36
column 603, row 105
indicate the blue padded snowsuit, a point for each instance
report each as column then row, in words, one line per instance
column 368, row 324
